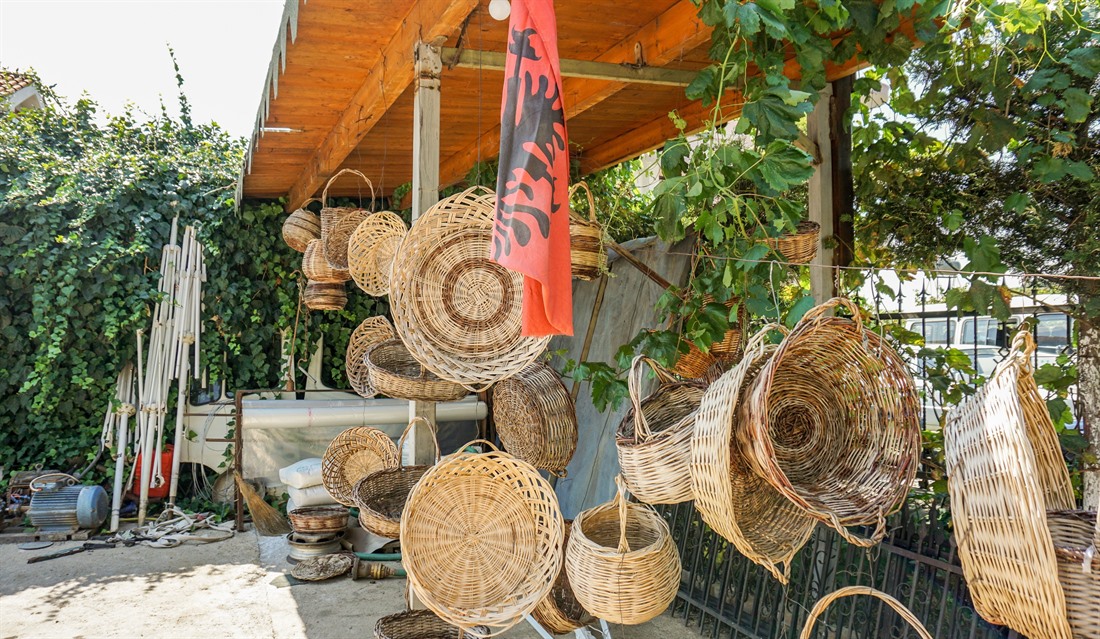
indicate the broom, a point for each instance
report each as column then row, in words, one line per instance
column 267, row 520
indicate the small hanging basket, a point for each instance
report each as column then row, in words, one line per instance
column 799, row 247
column 371, row 331
column 338, row 222
column 395, row 373
column 354, row 454
column 536, row 418
column 729, row 347
column 560, row 612
column 319, row 519
column 587, row 253
column 301, row 227
column 621, row 561
column 421, row 624
column 371, row 249
column 693, row 364
column 381, row 496
column 316, row 268
column 321, row 296
column 827, row 600
column 654, row 438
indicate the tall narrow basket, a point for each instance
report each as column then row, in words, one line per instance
column 371, row 331
column 338, row 222
column 587, row 253
column 352, row 455
column 381, row 496
column 316, row 268
column 536, row 418
column 300, row 227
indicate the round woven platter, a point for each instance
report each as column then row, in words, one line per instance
column 457, row 311
column 352, row 455
column 371, row 331
column 371, row 249
column 536, row 418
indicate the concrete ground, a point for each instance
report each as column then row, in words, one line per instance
column 225, row 589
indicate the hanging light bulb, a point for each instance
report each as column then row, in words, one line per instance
column 500, row 9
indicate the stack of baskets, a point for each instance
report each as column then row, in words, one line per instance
column 381, row 495
column 353, row 455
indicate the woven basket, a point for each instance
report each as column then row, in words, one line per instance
column 1003, row 475
column 621, row 561
column 587, row 254
column 354, row 454
column 300, row 227
column 799, row 247
column 654, row 438
column 536, row 418
column 831, row 421
column 560, row 612
column 735, row 502
column 381, row 496
column 693, row 364
column 729, row 347
column 318, row 519
column 321, row 296
column 338, row 222
column 1076, row 537
column 316, row 268
column 457, row 311
column 371, row 331
column 395, row 373
column 481, row 538
column 371, row 249
column 824, row 602
column 421, row 624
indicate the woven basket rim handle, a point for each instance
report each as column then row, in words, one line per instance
column 856, row 540
column 848, row 591
column 818, row 311
column 757, row 340
column 307, row 202
column 476, row 441
column 1020, row 351
column 408, row 429
column 324, row 193
column 591, row 200
column 621, row 502
column 633, row 384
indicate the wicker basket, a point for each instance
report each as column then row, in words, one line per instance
column 395, row 373
column 536, row 418
column 831, row 421
column 729, row 347
column 587, row 253
column 693, row 364
column 354, row 454
column 301, row 227
column 316, row 268
column 735, row 502
column 371, row 249
column 1076, row 537
column 338, row 222
column 654, row 438
column 824, row 602
column 319, row 519
column 481, row 538
column 457, row 311
column 621, row 561
column 421, row 624
column 321, row 296
column 381, row 496
column 371, row 331
column 799, row 247
column 560, row 612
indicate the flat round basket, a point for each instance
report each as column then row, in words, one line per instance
column 1076, row 537
column 381, row 496
column 654, row 438
column 338, row 222
column 621, row 561
column 315, row 267
column 300, row 227
column 481, row 538
column 457, row 311
column 323, row 567
column 354, row 454
column 735, row 502
column 587, row 254
column 536, row 418
column 395, row 373
column 421, row 624
column 371, row 249
column 322, row 296
column 559, row 612
column 831, row 421
column 319, row 519
column 371, row 331
column 799, row 247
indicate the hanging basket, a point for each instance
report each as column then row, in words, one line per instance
column 481, row 537
column 316, row 268
column 371, row 331
column 338, row 222
column 587, row 253
column 319, row 519
column 693, row 364
column 729, row 347
column 421, row 624
column 560, row 612
column 321, row 296
column 621, row 561
column 457, row 311
column 300, row 227
column 1076, row 537
column 395, row 373
column 381, row 496
column 536, row 418
column 827, row 600
column 354, row 454
column 799, row 247
column 734, row 501
column 654, row 438
column 831, row 421
column 371, row 249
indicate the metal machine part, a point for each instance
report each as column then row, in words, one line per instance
column 67, row 508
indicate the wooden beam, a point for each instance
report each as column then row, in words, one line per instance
column 385, row 82
column 820, row 199
column 622, row 72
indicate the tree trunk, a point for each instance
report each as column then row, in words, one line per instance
column 1088, row 404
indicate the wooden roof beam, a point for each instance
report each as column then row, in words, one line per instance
column 385, row 82
column 621, row 72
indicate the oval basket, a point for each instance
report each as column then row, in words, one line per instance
column 481, row 538
column 318, row 519
column 587, row 254
column 536, row 418
column 371, row 249
column 654, row 439
column 338, row 222
column 621, row 561
column 369, row 332
column 421, row 624
column 395, row 373
column 559, row 612
column 316, row 268
column 381, row 496
column 457, row 311
column 799, row 247
column 301, row 226
column 322, row 296
column 352, row 455
column 831, row 421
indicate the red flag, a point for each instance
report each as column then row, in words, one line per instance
column 531, row 230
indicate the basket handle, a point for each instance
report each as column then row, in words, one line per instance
column 633, row 386
column 408, row 429
column 824, row 602
column 476, row 441
column 324, row 193
column 819, row 311
column 620, row 500
column 591, row 200
column 856, row 540
column 757, row 340
column 307, row 202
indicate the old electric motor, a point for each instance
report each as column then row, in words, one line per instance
column 67, row 508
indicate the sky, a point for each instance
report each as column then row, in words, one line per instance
column 117, row 51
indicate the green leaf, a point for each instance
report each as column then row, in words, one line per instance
column 704, row 85
column 1077, row 103
column 1049, row 169
column 773, row 117
column 1084, row 61
column 783, row 166
column 804, row 303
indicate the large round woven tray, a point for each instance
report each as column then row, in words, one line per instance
column 338, row 222
column 371, row 249
column 457, row 311
column 481, row 538
column 352, row 455
column 381, row 496
column 536, row 418
column 395, row 373
column 369, row 332
column 421, row 624
column 559, row 612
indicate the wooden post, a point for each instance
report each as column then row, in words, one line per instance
column 822, row 285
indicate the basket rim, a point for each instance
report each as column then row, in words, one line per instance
column 608, row 552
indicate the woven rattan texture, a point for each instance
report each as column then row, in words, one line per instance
column 338, row 222
column 352, row 455
column 371, row 249
column 799, row 247
column 381, row 496
column 369, row 332
column 395, row 373
column 536, row 418
column 318, row 519
column 419, row 624
column 322, row 296
column 456, row 310
column 693, row 364
column 827, row 600
column 316, row 268
column 300, row 227
column 559, row 612
column 587, row 253
column 1076, row 537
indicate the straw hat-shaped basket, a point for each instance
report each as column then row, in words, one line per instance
column 1005, row 471
column 481, row 538
column 457, row 311
column 421, row 624
column 324, row 296
column 395, row 373
column 371, row 249
column 831, row 421
column 654, row 438
column 1076, row 537
column 536, row 418
column 827, row 600
column 338, row 222
column 735, row 502
column 799, row 247
column 587, row 253
column 621, row 561
column 560, row 612
column 300, row 227
column 381, row 496
column 316, row 268
column 371, row 331
column 354, row 454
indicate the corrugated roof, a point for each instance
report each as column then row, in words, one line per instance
column 12, row 81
